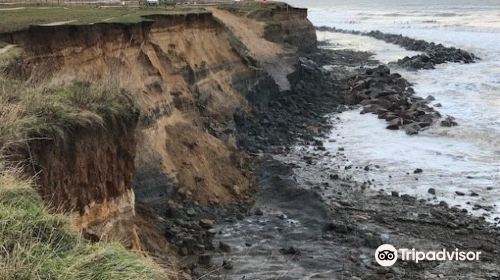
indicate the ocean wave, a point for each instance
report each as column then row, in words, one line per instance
column 394, row 14
column 487, row 138
column 447, row 15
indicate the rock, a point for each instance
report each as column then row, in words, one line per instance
column 258, row 212
column 395, row 194
column 334, row 176
column 338, row 227
column 459, row 193
column 290, row 251
column 372, row 241
column 204, row 259
column 224, row 247
column 417, row 171
column 432, row 191
column 392, row 98
column 367, row 168
column 183, row 251
column 226, row 264
column 207, row 223
column 473, row 194
column 394, row 124
column 484, row 207
column 444, row 204
column 190, row 212
column 412, row 129
column 407, row 197
column 449, row 122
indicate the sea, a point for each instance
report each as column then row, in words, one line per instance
column 462, row 163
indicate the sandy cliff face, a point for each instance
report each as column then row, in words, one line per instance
column 184, row 73
column 290, row 25
column 282, row 23
column 272, row 34
column 190, row 79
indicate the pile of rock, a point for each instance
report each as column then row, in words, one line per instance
column 392, row 98
column 281, row 118
column 190, row 228
column 433, row 54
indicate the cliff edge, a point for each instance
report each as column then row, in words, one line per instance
column 188, row 77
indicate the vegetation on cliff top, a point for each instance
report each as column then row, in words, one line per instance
column 29, row 111
column 254, row 9
column 17, row 19
column 39, row 245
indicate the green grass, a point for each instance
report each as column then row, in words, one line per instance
column 34, row 111
column 12, row 20
column 253, row 9
column 36, row 244
column 8, row 56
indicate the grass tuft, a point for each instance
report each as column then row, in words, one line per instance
column 9, row 56
column 30, row 112
column 37, row 244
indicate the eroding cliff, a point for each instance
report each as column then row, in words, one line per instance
column 90, row 173
column 192, row 76
column 283, row 23
column 182, row 71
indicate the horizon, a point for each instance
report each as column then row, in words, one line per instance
column 396, row 3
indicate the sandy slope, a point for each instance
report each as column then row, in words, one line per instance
column 272, row 56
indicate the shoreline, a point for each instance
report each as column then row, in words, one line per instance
column 234, row 163
column 335, row 220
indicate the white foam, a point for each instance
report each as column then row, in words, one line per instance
column 464, row 158
column 383, row 52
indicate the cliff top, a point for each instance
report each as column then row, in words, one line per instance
column 17, row 18
column 13, row 18
column 260, row 11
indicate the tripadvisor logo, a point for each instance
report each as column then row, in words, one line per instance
column 387, row 255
